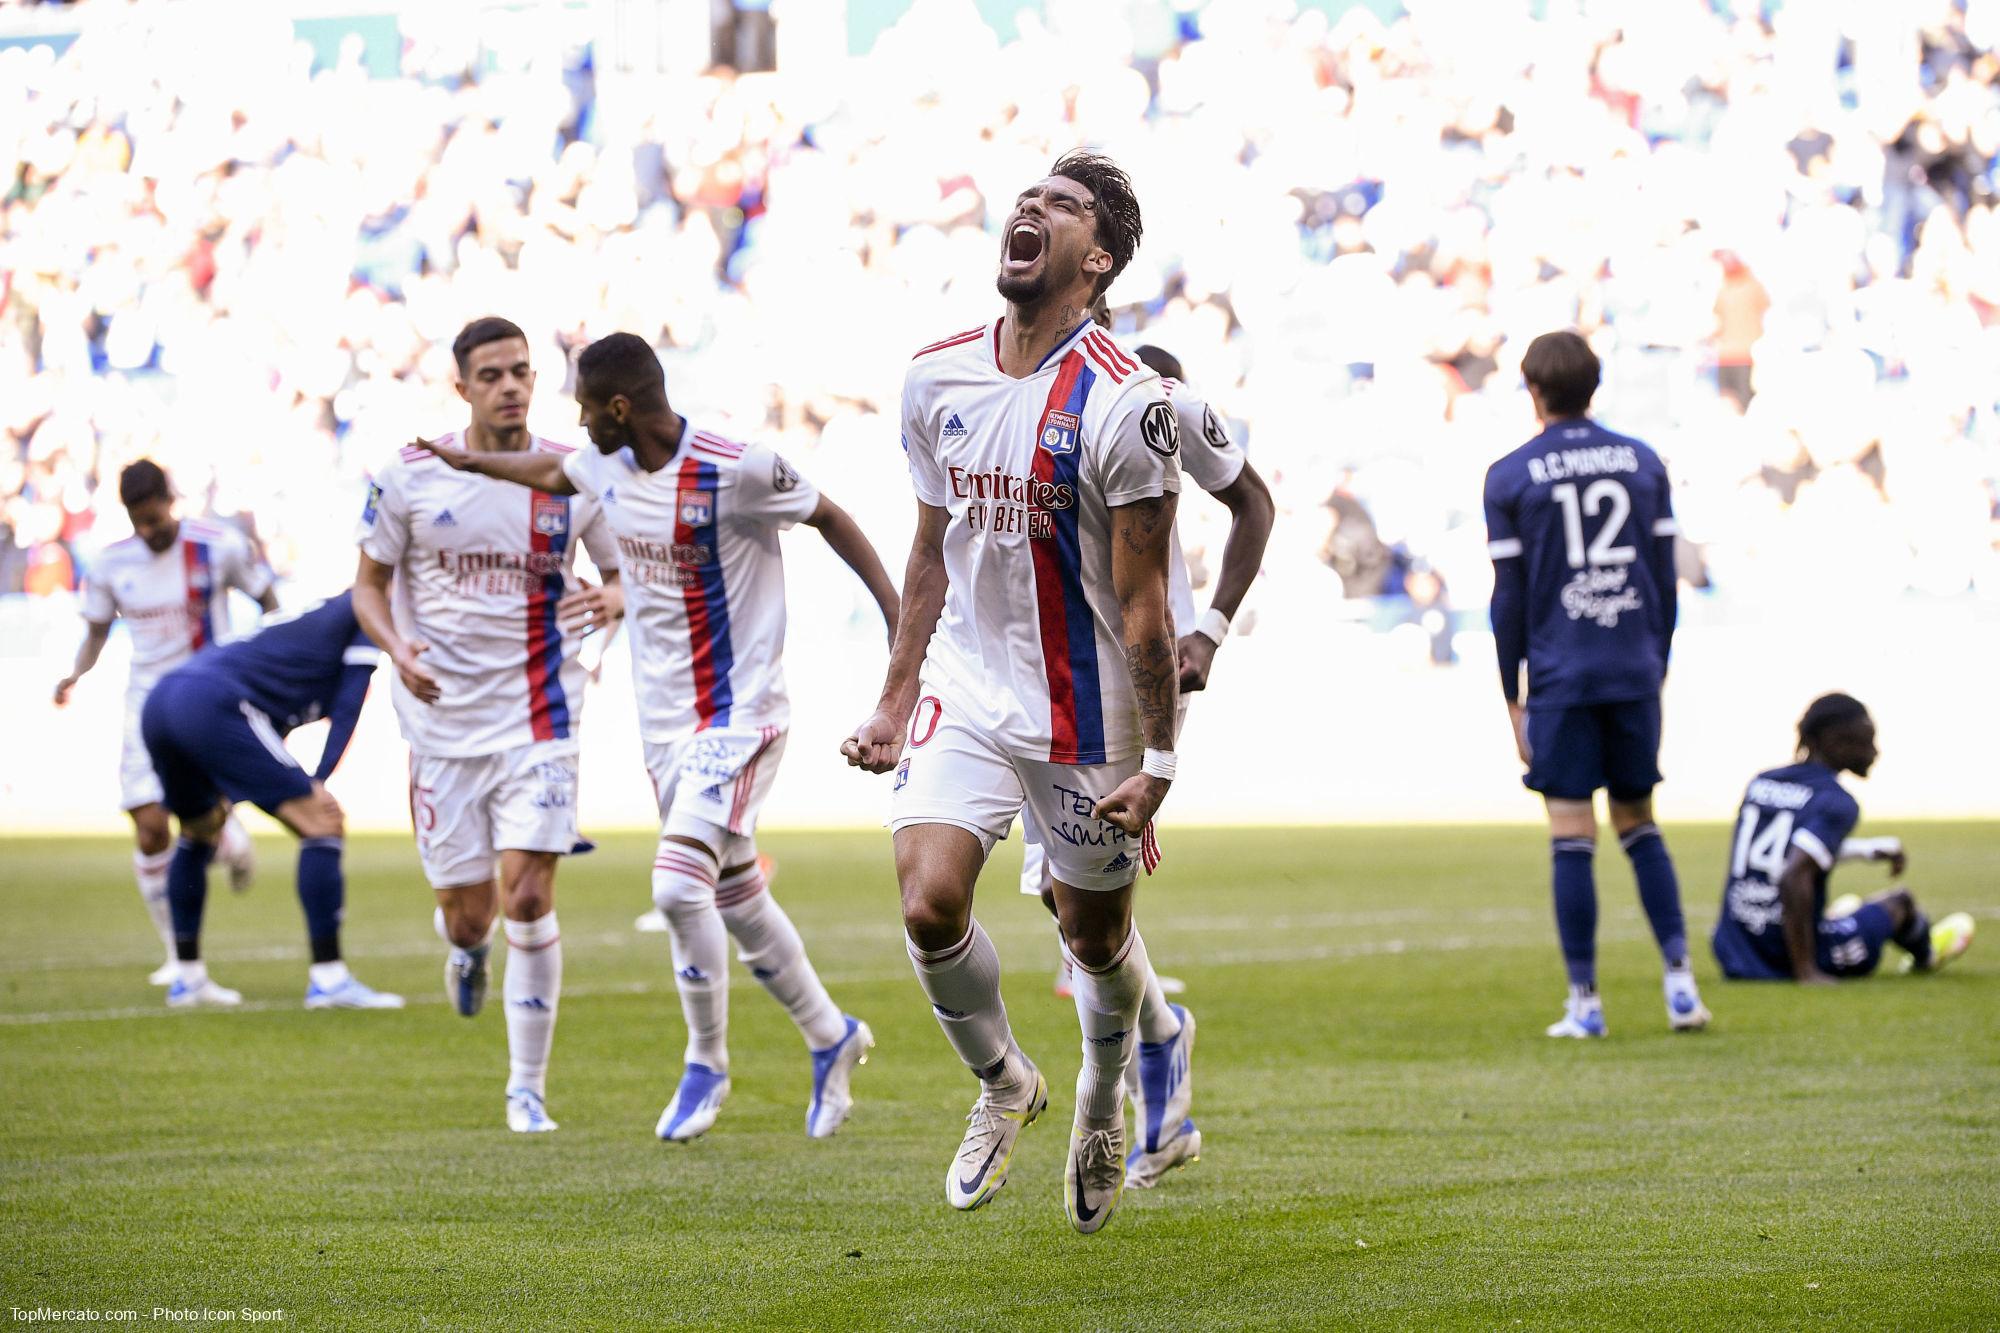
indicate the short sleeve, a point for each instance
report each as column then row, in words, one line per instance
column 1503, row 537
column 926, row 473
column 1824, row 824
column 241, row 569
column 598, row 539
column 578, row 466
column 99, row 607
column 1138, row 456
column 1211, row 459
column 770, row 490
column 1664, row 522
column 385, row 520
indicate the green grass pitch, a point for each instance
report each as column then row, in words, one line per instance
column 1390, row 1142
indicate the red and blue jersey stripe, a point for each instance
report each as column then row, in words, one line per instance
column 707, row 602
column 1069, row 630
column 548, row 533
column 198, row 562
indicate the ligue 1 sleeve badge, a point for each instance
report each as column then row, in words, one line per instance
column 1059, row 432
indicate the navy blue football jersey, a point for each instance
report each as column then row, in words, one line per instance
column 1802, row 806
column 1580, row 525
column 292, row 669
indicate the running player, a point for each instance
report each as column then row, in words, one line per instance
column 170, row 581
column 489, row 691
column 1791, row 831
column 1580, row 525
column 1161, row 1080
column 697, row 519
column 1035, row 660
column 214, row 728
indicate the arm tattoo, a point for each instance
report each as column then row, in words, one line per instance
column 1146, row 524
column 1156, row 681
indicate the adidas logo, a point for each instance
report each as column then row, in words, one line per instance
column 611, row 495
column 444, row 520
column 953, row 426
column 1119, row 862
column 532, row 1002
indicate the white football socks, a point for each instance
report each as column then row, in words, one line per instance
column 235, row 842
column 684, row 889
column 1156, row 1021
column 149, row 870
column 532, row 988
column 1107, row 1005
column 769, row 945
column 963, row 985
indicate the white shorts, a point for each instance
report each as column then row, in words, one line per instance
column 138, row 784
column 1035, row 860
column 467, row 810
column 716, row 779
column 953, row 774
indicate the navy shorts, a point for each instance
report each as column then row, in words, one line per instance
column 207, row 743
column 1574, row 751
column 1851, row 946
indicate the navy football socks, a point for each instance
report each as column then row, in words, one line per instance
column 187, row 894
column 322, row 892
column 1576, row 908
column 1659, row 890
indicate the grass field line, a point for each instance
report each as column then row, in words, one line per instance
column 858, row 977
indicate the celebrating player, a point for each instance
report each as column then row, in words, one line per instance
column 1580, row 526
column 697, row 519
column 169, row 580
column 1161, row 1080
column 214, row 728
column 1791, row 831
column 489, row 690
column 1043, row 459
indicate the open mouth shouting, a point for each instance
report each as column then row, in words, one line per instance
column 1025, row 246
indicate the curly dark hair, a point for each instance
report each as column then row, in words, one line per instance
column 1117, row 214
column 623, row 363
column 142, row 481
column 1828, row 713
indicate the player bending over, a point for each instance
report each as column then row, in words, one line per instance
column 697, row 518
column 1161, row 1080
column 215, row 729
column 168, row 580
column 1790, row 833
column 1580, row 525
column 1035, row 660
column 485, row 633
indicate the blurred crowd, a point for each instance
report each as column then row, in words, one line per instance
column 1780, row 233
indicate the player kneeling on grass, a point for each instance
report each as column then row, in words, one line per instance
column 215, row 729
column 1790, row 833
column 697, row 518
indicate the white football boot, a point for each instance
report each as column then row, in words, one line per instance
column 1583, row 1017
column 526, row 1114
column 1094, row 1175
column 349, row 993
column 833, row 1073
column 1161, row 1082
column 994, row 1124
column 201, row 994
column 1685, row 1011
column 696, row 1103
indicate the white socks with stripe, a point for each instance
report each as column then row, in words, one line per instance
column 1107, row 1005
column 532, row 988
column 963, row 985
column 769, row 945
column 150, row 870
column 684, row 890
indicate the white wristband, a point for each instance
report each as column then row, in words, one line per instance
column 1160, row 764
column 1213, row 625
column 1869, row 849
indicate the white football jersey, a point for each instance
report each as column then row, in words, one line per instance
column 704, row 579
column 1030, row 643
column 1213, row 462
column 174, row 601
column 480, row 565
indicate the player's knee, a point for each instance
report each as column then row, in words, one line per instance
column 1094, row 944
column 151, row 830
column 206, row 828
column 935, row 916
column 530, row 885
column 679, row 887
column 468, row 921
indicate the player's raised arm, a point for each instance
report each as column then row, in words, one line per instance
column 851, row 544
column 878, row 742
column 532, row 468
column 1141, row 544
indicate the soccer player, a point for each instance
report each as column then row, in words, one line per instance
column 168, row 580
column 1161, row 1080
column 1034, row 662
column 485, row 636
column 697, row 519
column 1790, row 833
column 214, row 728
column 1580, row 525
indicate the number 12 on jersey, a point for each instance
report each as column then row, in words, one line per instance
column 1602, row 550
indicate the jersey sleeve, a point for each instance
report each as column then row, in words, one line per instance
column 1139, row 446
column 1824, row 824
column 926, row 473
column 99, row 607
column 1509, row 607
column 385, row 519
column 598, row 538
column 241, row 569
column 1211, row 459
column 580, row 468
column 770, row 490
